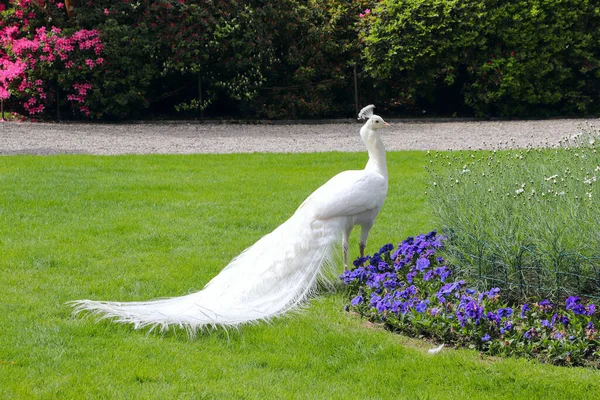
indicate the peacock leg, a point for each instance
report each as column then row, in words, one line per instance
column 345, row 248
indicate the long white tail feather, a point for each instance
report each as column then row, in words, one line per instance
column 281, row 270
column 366, row 112
column 273, row 276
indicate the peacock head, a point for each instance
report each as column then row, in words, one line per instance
column 376, row 122
column 373, row 121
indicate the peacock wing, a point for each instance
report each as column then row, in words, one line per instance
column 346, row 194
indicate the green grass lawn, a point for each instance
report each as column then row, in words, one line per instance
column 141, row 227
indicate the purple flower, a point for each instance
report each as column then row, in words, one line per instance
column 376, row 280
column 382, row 266
column 422, row 306
column 422, row 264
column 386, row 248
column 428, row 275
column 375, row 299
column 544, row 303
column 507, row 327
column 530, row 333
column 460, row 315
column 450, row 287
column 485, row 338
column 524, row 310
column 357, row 300
column 564, row 320
column 493, row 317
column 470, row 291
column 591, row 308
column 590, row 330
column 381, row 307
column 383, row 304
column 474, row 310
column 546, row 324
column 571, row 301
column 574, row 304
column 579, row 309
column 505, row 312
column 558, row 336
column 408, row 292
column 442, row 272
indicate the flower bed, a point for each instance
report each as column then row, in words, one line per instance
column 411, row 290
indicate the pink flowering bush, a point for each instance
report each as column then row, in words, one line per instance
column 38, row 59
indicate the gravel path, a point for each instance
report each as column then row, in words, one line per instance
column 185, row 138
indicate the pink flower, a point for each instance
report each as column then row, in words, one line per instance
column 367, row 11
column 60, row 5
column 4, row 94
column 90, row 63
column 106, row 11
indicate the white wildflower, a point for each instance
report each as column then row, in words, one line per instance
column 551, row 178
column 588, row 181
column 519, row 190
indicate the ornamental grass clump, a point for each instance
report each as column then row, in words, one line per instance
column 522, row 220
column 411, row 289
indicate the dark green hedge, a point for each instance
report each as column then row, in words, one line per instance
column 296, row 59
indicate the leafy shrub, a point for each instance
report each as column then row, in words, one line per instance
column 507, row 58
column 314, row 49
column 169, row 52
column 524, row 220
column 412, row 290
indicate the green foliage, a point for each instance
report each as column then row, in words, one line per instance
column 159, row 51
column 282, row 59
column 524, row 220
column 315, row 47
column 125, row 85
column 503, row 58
column 140, row 227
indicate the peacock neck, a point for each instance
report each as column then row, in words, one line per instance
column 377, row 160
